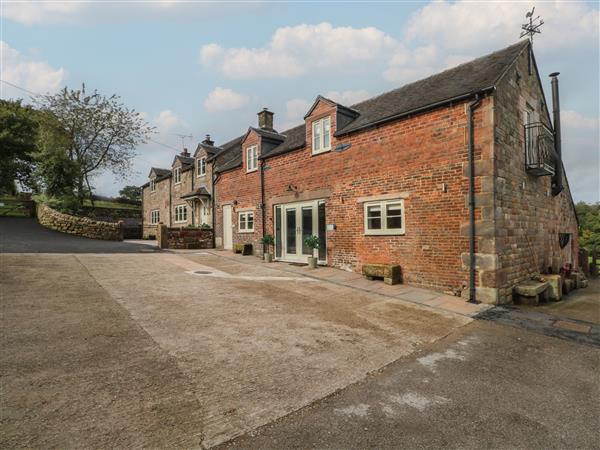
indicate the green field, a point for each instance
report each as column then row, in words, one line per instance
column 111, row 205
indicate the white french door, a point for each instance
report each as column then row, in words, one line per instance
column 294, row 223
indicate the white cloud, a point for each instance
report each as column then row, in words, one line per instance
column 30, row 13
column 347, row 98
column 222, row 99
column 572, row 119
column 36, row 76
column 293, row 51
column 166, row 121
column 481, row 26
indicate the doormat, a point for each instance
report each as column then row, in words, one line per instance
column 298, row 264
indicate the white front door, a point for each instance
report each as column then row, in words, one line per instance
column 227, row 231
column 298, row 221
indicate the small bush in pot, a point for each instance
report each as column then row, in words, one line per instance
column 267, row 241
column 312, row 242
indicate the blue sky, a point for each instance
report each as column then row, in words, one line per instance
column 198, row 68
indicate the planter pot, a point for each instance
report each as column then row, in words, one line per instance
column 312, row 262
column 268, row 257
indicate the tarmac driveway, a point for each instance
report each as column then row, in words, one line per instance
column 163, row 349
column 26, row 235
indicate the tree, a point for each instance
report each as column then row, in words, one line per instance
column 101, row 134
column 589, row 222
column 131, row 193
column 18, row 131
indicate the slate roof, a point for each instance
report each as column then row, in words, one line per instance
column 201, row 191
column 461, row 81
column 160, row 172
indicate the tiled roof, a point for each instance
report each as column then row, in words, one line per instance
column 201, row 191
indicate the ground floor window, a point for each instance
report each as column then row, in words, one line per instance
column 246, row 221
column 154, row 217
column 180, row 213
column 384, row 217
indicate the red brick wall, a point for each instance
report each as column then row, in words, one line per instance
column 240, row 189
column 415, row 157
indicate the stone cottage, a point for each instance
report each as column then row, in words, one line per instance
column 458, row 178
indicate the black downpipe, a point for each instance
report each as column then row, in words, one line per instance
column 170, row 200
column 471, row 108
column 262, row 197
column 213, row 179
column 557, row 185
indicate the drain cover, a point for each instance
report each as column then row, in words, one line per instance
column 202, row 272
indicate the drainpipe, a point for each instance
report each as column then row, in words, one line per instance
column 170, row 198
column 262, row 197
column 470, row 110
column 213, row 188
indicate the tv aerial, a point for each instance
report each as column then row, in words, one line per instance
column 183, row 137
column 532, row 27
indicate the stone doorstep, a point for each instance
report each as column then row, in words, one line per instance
column 572, row 326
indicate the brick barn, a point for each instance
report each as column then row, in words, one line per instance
column 388, row 180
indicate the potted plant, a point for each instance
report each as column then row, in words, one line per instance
column 312, row 242
column 267, row 240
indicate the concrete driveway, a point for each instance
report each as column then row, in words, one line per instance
column 150, row 350
column 26, row 235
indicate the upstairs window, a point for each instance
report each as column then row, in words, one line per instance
column 321, row 135
column 251, row 158
column 180, row 213
column 152, row 185
column 177, row 175
column 384, row 217
column 154, row 217
column 201, row 167
column 246, row 222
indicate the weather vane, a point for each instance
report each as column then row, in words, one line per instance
column 533, row 27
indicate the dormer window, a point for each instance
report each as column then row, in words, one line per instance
column 152, row 185
column 321, row 135
column 201, row 169
column 251, row 158
column 177, row 175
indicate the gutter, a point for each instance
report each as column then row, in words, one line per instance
column 471, row 147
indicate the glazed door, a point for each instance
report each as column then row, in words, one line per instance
column 299, row 222
column 227, row 231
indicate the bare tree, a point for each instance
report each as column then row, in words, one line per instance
column 102, row 133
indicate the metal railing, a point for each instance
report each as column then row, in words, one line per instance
column 540, row 156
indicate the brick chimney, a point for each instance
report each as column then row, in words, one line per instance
column 185, row 152
column 208, row 141
column 265, row 119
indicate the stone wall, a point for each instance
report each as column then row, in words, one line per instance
column 528, row 218
column 80, row 226
column 184, row 238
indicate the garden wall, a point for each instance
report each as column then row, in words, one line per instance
column 80, row 226
column 184, row 238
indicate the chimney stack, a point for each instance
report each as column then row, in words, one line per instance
column 265, row 119
column 557, row 185
column 207, row 140
column 185, row 153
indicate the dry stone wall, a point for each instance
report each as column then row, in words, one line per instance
column 80, row 226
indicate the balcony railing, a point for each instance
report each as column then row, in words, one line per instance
column 540, row 159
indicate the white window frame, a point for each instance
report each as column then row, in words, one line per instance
column 201, row 167
column 318, row 145
column 245, row 215
column 154, row 217
column 177, row 175
column 152, row 185
column 180, row 216
column 384, row 230
column 252, row 158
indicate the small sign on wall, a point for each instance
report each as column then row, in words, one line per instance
column 331, row 227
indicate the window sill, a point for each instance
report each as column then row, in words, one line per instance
column 315, row 153
column 180, row 221
column 245, row 231
column 384, row 233
column 253, row 170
